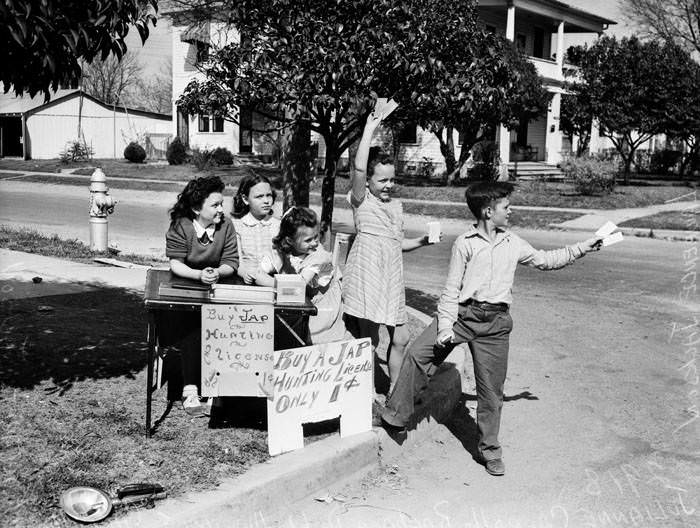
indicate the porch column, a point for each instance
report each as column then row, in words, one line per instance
column 553, row 138
column 503, row 132
column 510, row 24
column 560, row 48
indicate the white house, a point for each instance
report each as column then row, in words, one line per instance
column 34, row 129
column 538, row 27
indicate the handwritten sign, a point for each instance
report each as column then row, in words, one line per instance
column 237, row 345
column 316, row 383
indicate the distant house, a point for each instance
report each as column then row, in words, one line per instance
column 537, row 27
column 33, row 129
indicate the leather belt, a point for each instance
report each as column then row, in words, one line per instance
column 493, row 307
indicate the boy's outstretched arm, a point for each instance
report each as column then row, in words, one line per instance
column 359, row 176
column 556, row 258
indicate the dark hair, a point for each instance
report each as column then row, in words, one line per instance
column 193, row 196
column 240, row 208
column 375, row 157
column 483, row 194
column 292, row 220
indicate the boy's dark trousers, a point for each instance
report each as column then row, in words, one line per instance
column 486, row 328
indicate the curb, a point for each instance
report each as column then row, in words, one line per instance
column 642, row 232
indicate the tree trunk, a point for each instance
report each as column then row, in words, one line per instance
column 328, row 190
column 447, row 149
column 583, row 141
column 296, row 159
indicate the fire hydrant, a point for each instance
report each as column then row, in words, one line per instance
column 101, row 204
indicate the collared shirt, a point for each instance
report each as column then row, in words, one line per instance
column 255, row 238
column 200, row 230
column 483, row 270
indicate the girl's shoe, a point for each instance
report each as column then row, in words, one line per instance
column 191, row 403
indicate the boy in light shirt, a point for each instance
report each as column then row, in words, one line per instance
column 474, row 309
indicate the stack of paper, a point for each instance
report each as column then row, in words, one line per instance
column 234, row 293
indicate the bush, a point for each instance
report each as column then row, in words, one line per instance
column 202, row 159
column 591, row 176
column 134, row 152
column 662, row 161
column 222, row 156
column 76, row 150
column 177, row 152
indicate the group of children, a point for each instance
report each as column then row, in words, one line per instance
column 204, row 245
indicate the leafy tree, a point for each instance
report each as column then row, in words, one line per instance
column 576, row 119
column 322, row 65
column 484, row 82
column 670, row 20
column 630, row 86
column 43, row 41
column 683, row 122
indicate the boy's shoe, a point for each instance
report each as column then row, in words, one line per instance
column 495, row 467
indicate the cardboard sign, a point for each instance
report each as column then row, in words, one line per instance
column 316, row 383
column 237, row 345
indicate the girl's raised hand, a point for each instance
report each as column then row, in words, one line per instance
column 373, row 120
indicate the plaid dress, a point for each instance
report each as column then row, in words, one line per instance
column 373, row 285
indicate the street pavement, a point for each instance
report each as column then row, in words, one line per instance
column 600, row 420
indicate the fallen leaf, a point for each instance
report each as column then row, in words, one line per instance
column 44, row 308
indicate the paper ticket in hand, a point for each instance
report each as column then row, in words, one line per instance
column 433, row 232
column 612, row 239
column 385, row 107
column 606, row 229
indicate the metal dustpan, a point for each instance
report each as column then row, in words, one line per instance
column 89, row 505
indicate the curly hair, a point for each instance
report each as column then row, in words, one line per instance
column 375, row 157
column 193, row 196
column 240, row 208
column 294, row 218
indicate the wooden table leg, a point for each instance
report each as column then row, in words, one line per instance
column 149, row 369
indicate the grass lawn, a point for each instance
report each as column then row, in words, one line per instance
column 678, row 220
column 73, row 395
column 31, row 241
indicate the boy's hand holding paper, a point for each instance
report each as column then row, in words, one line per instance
column 606, row 231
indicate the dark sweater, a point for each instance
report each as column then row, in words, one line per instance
column 181, row 244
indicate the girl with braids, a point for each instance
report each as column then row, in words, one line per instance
column 298, row 250
column 201, row 246
column 254, row 223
